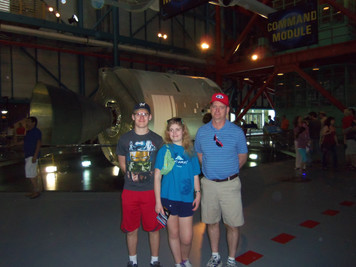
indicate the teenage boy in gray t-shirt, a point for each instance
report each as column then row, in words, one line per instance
column 136, row 152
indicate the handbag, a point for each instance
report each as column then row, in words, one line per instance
column 168, row 162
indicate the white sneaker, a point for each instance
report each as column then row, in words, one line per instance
column 214, row 262
column 231, row 264
column 186, row 263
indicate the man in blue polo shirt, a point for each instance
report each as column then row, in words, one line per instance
column 222, row 151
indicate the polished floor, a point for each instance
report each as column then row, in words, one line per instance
column 290, row 220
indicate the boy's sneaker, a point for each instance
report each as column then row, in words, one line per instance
column 156, row 264
column 214, row 262
column 186, row 263
column 131, row 264
column 231, row 264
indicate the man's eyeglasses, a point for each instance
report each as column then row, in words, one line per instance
column 141, row 114
column 175, row 120
column 218, row 142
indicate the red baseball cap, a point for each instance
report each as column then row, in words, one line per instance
column 221, row 98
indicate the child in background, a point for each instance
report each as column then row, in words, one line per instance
column 302, row 141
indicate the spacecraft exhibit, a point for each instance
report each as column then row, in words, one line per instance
column 65, row 117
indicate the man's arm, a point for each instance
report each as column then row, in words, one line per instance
column 200, row 157
column 122, row 163
column 37, row 151
column 242, row 159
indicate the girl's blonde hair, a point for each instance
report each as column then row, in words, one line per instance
column 186, row 140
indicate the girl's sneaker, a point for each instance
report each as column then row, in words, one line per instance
column 186, row 263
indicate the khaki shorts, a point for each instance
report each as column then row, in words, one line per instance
column 30, row 168
column 222, row 199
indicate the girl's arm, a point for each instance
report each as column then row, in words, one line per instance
column 197, row 191
column 157, row 189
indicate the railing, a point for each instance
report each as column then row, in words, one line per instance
column 29, row 8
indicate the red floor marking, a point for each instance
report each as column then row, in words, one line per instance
column 309, row 224
column 283, row 238
column 248, row 257
column 347, row 203
column 331, row 212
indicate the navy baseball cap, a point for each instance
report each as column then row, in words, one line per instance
column 142, row 105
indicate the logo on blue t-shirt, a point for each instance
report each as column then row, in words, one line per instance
column 180, row 161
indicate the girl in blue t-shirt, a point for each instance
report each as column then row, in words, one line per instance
column 179, row 190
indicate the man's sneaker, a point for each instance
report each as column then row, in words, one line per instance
column 214, row 262
column 131, row 264
column 186, row 263
column 231, row 264
column 156, row 264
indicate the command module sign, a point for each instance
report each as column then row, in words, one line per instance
column 170, row 8
column 295, row 27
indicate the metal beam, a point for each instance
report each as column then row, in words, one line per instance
column 340, row 7
column 44, row 68
column 62, row 27
column 268, row 98
column 257, row 95
column 308, row 55
column 34, row 23
column 318, row 87
column 144, row 26
column 247, row 96
column 241, row 38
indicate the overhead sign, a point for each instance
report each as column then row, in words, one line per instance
column 170, row 8
column 295, row 27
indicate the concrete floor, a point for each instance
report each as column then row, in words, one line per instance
column 290, row 220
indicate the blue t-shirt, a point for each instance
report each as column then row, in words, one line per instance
column 178, row 184
column 30, row 142
column 219, row 162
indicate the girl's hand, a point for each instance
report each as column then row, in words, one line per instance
column 196, row 201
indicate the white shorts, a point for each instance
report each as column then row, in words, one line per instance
column 30, row 168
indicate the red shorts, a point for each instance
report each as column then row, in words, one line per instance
column 137, row 206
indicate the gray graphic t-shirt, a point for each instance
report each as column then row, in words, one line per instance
column 140, row 153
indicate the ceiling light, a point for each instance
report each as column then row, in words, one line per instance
column 254, row 57
column 162, row 35
column 73, row 19
column 204, row 46
column 58, row 15
column 50, row 9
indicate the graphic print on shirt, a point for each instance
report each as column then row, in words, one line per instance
column 140, row 162
column 186, row 185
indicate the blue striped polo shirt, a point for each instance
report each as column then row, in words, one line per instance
column 220, row 162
